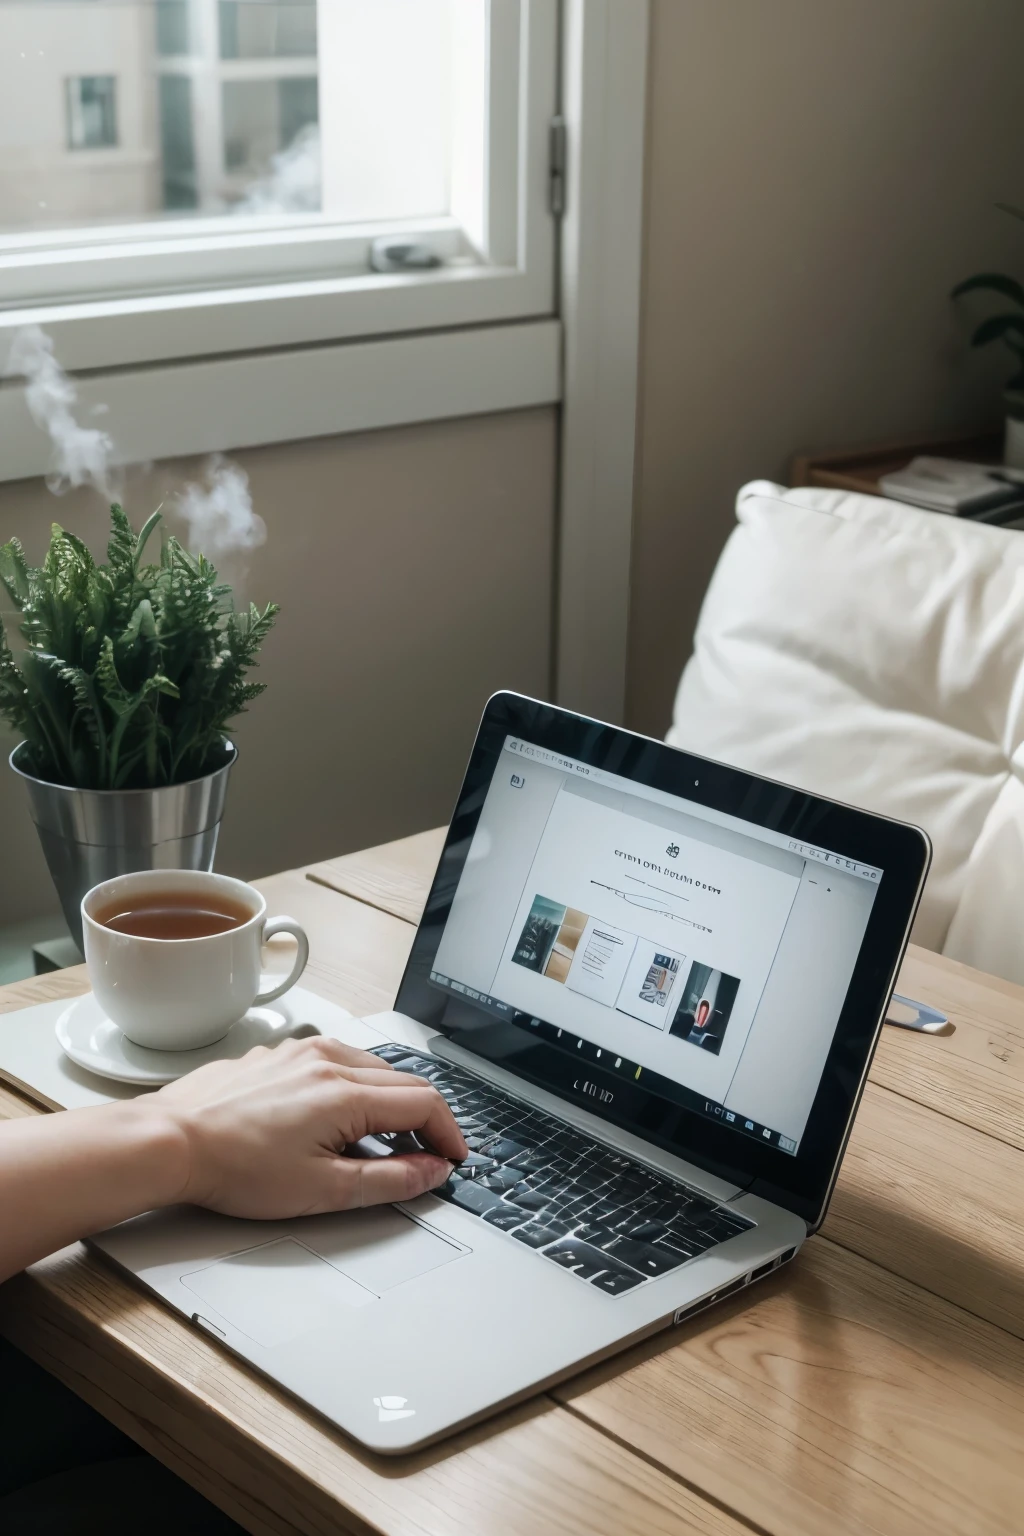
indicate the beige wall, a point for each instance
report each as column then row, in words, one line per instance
column 819, row 175
column 413, row 569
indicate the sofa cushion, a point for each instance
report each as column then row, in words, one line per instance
column 874, row 653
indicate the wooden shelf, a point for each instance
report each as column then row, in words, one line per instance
column 860, row 469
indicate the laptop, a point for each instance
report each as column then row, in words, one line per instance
column 649, row 987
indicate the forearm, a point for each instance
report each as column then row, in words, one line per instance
column 260, row 1138
column 63, row 1176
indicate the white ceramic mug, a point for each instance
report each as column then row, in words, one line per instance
column 180, row 994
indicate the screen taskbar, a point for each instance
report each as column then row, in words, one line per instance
column 618, row 1066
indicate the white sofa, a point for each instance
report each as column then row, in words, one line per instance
column 875, row 653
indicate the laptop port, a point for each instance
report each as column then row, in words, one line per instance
column 685, row 1312
column 734, row 1285
column 789, row 1254
column 764, row 1269
column 707, row 1301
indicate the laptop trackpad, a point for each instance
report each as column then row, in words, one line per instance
column 285, row 1288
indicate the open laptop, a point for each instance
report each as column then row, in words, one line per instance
column 649, row 987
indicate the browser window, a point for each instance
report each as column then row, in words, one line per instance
column 702, row 956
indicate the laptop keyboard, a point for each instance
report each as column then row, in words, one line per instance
column 593, row 1211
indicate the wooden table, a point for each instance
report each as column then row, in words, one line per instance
column 875, row 1385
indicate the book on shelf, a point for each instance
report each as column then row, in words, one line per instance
column 953, row 486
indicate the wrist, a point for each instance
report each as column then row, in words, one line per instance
column 159, row 1146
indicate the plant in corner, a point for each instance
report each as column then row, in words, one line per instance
column 128, row 679
column 1007, row 327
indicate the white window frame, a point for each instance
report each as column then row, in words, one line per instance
column 604, row 93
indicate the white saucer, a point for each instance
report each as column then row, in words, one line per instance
column 90, row 1039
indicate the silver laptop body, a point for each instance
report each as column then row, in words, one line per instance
column 599, row 953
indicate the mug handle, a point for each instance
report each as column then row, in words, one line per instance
column 284, row 925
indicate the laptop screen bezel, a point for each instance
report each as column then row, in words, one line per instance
column 800, row 1183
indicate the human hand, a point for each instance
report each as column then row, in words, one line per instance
column 262, row 1135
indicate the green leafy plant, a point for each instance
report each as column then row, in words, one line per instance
column 130, row 672
column 1009, row 326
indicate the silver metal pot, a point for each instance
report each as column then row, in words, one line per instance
column 89, row 835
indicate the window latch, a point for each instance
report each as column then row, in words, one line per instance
column 390, row 255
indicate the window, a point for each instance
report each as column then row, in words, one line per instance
column 271, row 142
column 238, row 81
column 276, row 325
column 251, row 30
column 92, row 113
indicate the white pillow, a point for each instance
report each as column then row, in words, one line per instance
column 874, row 653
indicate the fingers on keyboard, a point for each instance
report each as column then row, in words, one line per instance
column 609, row 1221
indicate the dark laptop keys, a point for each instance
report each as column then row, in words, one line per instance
column 502, row 1179
column 642, row 1231
column 583, row 1260
column 470, row 1195
column 593, row 1265
column 476, row 1163
column 529, row 1199
column 529, row 1162
column 502, row 1150
column 614, row 1282
column 505, row 1217
column 612, row 1222
column 537, row 1234
column 604, row 1210
column 596, row 1236
column 647, row 1258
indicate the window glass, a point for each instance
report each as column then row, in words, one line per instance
column 215, row 107
column 177, row 144
column 267, row 29
column 92, row 116
column 172, row 27
column 262, row 118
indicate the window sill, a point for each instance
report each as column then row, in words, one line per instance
column 141, row 329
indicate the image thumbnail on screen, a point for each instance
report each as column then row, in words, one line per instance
column 658, row 980
column 549, row 938
column 705, row 1007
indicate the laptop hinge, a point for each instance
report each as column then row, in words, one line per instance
column 722, row 1191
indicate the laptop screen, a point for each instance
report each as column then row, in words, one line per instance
column 670, row 931
column 675, row 946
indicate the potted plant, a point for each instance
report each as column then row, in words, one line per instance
column 129, row 676
column 1007, row 327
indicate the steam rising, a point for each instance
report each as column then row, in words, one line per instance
column 219, row 512
column 292, row 184
column 81, row 455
